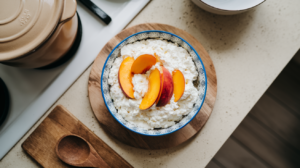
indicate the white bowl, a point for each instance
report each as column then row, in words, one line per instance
column 154, row 34
column 227, row 7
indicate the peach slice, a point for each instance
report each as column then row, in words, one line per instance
column 125, row 77
column 161, row 86
column 157, row 58
column 179, row 84
column 167, row 88
column 143, row 63
column 153, row 90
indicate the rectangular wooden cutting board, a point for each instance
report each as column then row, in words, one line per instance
column 41, row 143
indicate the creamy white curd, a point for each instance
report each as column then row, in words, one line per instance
column 172, row 57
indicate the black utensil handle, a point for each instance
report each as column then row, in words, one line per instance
column 4, row 101
column 96, row 10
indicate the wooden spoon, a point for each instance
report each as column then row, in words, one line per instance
column 76, row 151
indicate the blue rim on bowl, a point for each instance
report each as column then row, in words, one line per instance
column 156, row 34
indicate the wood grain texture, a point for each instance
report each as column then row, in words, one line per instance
column 265, row 145
column 286, row 89
column 136, row 140
column 41, row 143
column 278, row 119
column 233, row 154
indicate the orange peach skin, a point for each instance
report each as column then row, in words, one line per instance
column 153, row 90
column 167, row 88
column 143, row 63
column 125, row 77
column 179, row 84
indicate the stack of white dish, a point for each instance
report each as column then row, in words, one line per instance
column 227, row 7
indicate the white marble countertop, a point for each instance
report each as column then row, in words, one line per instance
column 248, row 50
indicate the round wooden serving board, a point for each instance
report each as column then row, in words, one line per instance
column 149, row 142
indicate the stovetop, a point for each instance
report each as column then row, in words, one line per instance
column 33, row 92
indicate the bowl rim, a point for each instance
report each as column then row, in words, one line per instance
column 159, row 31
column 226, row 10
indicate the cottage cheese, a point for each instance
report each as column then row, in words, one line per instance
column 172, row 57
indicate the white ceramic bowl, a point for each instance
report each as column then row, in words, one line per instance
column 154, row 34
column 227, row 7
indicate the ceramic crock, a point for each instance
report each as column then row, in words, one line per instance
column 36, row 33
